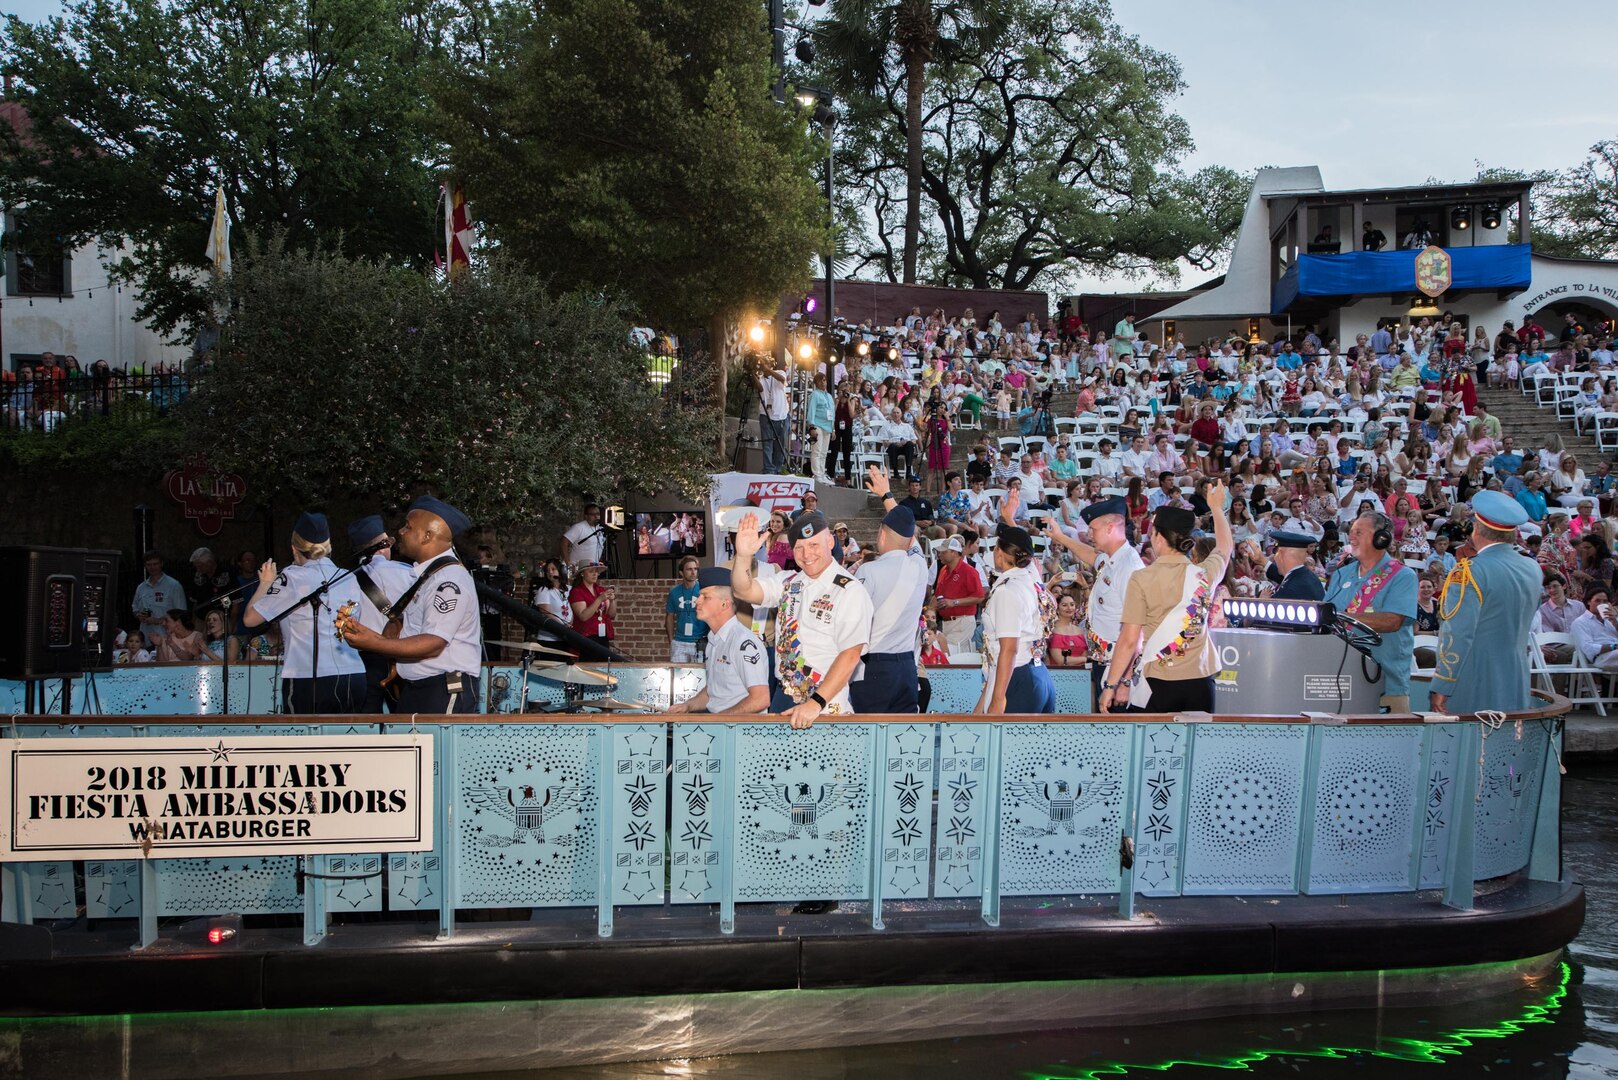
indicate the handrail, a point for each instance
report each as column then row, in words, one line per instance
column 1555, row 705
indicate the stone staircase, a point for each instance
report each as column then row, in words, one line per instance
column 1527, row 424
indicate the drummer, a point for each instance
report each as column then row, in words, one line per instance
column 735, row 661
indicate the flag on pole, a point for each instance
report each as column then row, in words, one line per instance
column 219, row 235
column 457, row 230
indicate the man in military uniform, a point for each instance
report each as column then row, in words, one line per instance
column 382, row 582
column 1380, row 591
column 1290, row 567
column 897, row 583
column 440, row 647
column 1487, row 607
column 734, row 662
column 1114, row 559
column 823, row 621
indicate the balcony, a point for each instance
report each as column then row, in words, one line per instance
column 1499, row 267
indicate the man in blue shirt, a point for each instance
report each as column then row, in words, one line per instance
column 686, row 631
column 1533, row 499
column 1381, row 341
column 1507, row 462
column 155, row 596
column 1286, row 359
column 1378, row 590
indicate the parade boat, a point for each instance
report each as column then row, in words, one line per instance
column 619, row 885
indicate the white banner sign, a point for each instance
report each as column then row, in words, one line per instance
column 762, row 490
column 241, row 795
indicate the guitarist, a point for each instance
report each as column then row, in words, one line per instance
column 320, row 673
column 382, row 582
column 440, row 645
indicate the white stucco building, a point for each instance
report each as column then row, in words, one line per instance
column 1299, row 259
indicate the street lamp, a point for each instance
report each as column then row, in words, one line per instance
column 812, row 97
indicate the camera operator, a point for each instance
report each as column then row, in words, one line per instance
column 770, row 380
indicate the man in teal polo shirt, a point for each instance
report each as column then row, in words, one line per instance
column 1380, row 591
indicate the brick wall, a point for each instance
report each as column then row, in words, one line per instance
column 640, row 623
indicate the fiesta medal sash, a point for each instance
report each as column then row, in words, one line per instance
column 1374, row 584
column 1177, row 633
column 798, row 679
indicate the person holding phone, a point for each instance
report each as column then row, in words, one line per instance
column 593, row 604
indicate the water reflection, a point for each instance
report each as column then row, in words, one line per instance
column 1567, row 1026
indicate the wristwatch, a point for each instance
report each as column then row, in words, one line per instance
column 814, row 696
column 886, row 495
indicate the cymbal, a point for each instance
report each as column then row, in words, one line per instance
column 612, row 704
column 529, row 646
column 577, row 676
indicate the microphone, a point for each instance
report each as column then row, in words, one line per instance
column 371, row 549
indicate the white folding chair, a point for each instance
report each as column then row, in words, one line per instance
column 1606, row 431
column 1581, row 675
column 1423, row 641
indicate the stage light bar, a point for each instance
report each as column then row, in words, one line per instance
column 1297, row 616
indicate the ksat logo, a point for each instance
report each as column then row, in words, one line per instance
column 770, row 495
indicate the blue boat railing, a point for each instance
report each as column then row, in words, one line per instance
column 650, row 810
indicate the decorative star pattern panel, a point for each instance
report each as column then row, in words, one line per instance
column 1440, row 794
column 1160, row 809
column 639, row 812
column 906, row 830
column 1365, row 799
column 52, row 887
column 1246, row 788
column 804, row 819
column 964, row 788
column 1512, row 764
column 1061, row 808
column 526, row 822
column 695, row 826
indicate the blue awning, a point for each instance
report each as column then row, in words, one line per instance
column 1360, row 273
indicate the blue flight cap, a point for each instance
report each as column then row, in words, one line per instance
column 901, row 521
column 1284, row 538
column 1102, row 507
column 713, row 577
column 312, row 528
column 365, row 530
column 1498, row 510
column 457, row 521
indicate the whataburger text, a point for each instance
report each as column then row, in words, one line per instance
column 172, row 797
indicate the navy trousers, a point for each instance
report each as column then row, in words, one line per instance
column 1031, row 690
column 890, row 684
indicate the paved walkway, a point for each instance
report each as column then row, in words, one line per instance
column 1588, row 733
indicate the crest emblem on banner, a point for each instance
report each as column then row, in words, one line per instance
column 1433, row 270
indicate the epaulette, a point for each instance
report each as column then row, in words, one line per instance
column 841, row 581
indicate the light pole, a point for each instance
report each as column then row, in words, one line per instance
column 826, row 117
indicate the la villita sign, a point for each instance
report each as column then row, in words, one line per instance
column 208, row 496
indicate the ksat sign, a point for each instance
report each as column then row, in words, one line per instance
column 207, row 496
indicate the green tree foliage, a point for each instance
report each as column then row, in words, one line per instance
column 1574, row 212
column 1048, row 148
column 500, row 395
column 309, row 114
column 633, row 145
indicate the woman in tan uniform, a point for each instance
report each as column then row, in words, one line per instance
column 1164, row 660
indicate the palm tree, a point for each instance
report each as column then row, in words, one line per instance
column 866, row 45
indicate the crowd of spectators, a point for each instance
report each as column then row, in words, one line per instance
column 40, row 394
column 196, row 621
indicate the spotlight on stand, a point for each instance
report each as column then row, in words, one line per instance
column 1491, row 216
column 757, row 334
column 893, row 354
column 863, row 348
column 810, row 305
column 1292, row 616
column 806, row 351
column 1460, row 218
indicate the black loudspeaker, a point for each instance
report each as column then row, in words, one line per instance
column 56, row 611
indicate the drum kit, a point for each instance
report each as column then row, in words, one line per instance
column 577, row 682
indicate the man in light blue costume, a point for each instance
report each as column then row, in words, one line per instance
column 1487, row 606
column 1380, row 591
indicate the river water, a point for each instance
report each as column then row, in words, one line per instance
column 1568, row 1028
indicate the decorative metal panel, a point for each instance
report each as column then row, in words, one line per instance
column 1443, row 740
column 695, row 829
column 803, row 826
column 111, row 888
column 526, row 818
column 1246, row 787
column 1061, row 807
column 1509, row 798
column 906, row 830
column 1365, row 803
column 956, row 690
column 639, row 812
column 964, row 788
column 352, row 882
column 241, row 886
column 168, row 689
column 1160, row 809
column 1073, row 695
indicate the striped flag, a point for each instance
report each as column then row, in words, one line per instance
column 218, row 251
column 457, row 230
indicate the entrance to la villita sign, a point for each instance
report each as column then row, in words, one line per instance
column 291, row 795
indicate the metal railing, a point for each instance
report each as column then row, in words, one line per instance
column 41, row 403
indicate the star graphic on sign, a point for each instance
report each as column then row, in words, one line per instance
column 115, row 895
column 1164, row 739
column 414, row 889
column 909, row 790
column 961, row 789
column 639, row 834
column 356, row 888
column 906, row 831
column 697, row 743
column 639, row 884
column 1154, row 872
column 905, row 878
column 641, row 745
column 959, row 877
column 697, row 793
column 695, row 884
column 960, row 830
column 911, row 740
column 220, row 751
column 1157, row 826
column 696, row 834
column 963, row 742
